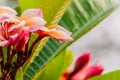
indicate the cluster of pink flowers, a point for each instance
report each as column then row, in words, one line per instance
column 15, row 30
column 81, row 70
column 15, row 33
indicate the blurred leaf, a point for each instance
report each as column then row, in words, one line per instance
column 18, row 10
column 68, row 60
column 19, row 75
column 56, row 67
column 115, row 75
column 80, row 18
column 53, row 10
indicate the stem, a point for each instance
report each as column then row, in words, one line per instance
column 15, row 71
column 7, row 68
column 1, row 58
column 17, row 66
column 2, row 62
column 20, row 55
column 10, row 61
column 25, row 54
column 8, row 52
column 26, row 48
column 34, row 43
column 20, row 61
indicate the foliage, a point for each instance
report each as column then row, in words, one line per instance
column 80, row 17
column 115, row 75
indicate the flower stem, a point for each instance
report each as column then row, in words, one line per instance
column 8, row 52
column 2, row 62
column 17, row 65
column 34, row 43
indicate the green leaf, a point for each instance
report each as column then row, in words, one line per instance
column 68, row 59
column 18, row 10
column 56, row 67
column 81, row 17
column 115, row 75
column 19, row 75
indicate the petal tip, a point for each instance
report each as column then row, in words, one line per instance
column 8, row 10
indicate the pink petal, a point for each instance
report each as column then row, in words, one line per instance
column 4, row 16
column 33, row 19
column 82, row 62
column 57, row 32
column 1, row 33
column 35, row 23
column 12, row 39
column 3, row 43
column 45, row 29
column 8, row 10
column 19, row 25
column 31, row 13
column 21, row 41
column 1, row 36
column 94, row 70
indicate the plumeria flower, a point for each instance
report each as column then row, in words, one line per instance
column 34, row 21
column 82, row 71
column 16, row 29
column 11, row 29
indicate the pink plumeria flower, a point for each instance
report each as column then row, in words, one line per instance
column 82, row 71
column 34, row 21
column 11, row 28
column 31, row 20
